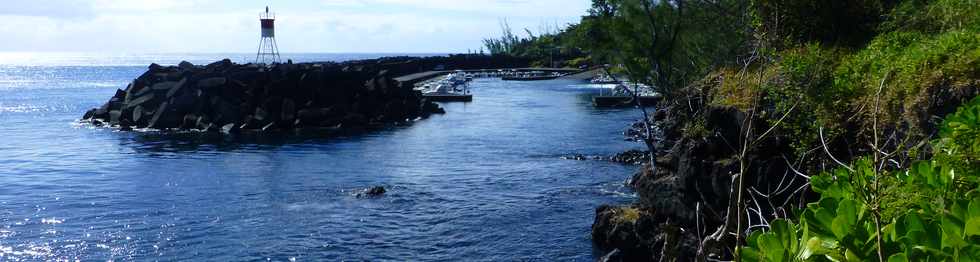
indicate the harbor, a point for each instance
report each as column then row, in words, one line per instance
column 453, row 85
column 482, row 177
column 547, row 130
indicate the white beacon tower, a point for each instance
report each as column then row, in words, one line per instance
column 268, row 49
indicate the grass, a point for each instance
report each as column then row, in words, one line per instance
column 909, row 67
column 627, row 215
column 925, row 51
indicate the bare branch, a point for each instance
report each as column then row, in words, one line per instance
column 826, row 150
column 774, row 125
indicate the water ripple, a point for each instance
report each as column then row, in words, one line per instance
column 483, row 182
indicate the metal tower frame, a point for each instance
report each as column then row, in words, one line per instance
column 268, row 48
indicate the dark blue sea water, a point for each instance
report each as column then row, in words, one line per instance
column 485, row 181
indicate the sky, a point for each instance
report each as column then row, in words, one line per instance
column 334, row 26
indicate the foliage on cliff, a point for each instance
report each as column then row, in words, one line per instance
column 864, row 84
column 879, row 93
column 930, row 210
column 915, row 71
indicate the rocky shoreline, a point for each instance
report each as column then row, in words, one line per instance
column 683, row 198
column 227, row 97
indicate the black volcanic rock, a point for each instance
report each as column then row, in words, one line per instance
column 372, row 192
column 224, row 96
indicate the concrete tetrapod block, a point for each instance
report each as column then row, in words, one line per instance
column 140, row 100
column 176, row 87
column 157, row 114
column 163, row 86
column 137, row 114
column 211, row 82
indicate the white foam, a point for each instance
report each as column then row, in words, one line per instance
column 51, row 221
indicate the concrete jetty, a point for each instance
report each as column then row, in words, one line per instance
column 415, row 78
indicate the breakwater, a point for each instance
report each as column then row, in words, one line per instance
column 228, row 97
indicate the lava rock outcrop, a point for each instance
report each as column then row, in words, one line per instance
column 228, row 97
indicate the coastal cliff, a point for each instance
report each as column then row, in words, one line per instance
column 686, row 199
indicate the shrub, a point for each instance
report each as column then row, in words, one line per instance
column 804, row 83
column 788, row 22
column 959, row 142
column 940, row 222
column 933, row 16
column 912, row 67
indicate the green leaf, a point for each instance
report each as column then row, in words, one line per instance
column 972, row 227
column 934, row 234
column 958, row 210
column 785, row 231
column 846, row 217
column 772, row 248
column 750, row 254
column 911, row 222
column 952, row 231
column 974, row 209
column 818, row 246
column 898, row 257
column 820, row 217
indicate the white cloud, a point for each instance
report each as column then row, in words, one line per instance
column 330, row 26
column 68, row 9
column 142, row 5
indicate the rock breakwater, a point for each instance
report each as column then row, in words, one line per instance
column 228, row 97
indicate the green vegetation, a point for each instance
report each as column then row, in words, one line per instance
column 873, row 81
column 939, row 218
column 549, row 49
column 628, row 215
column 878, row 208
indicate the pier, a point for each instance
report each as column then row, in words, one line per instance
column 415, row 78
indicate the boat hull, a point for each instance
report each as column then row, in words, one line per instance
column 532, row 78
column 448, row 97
column 624, row 101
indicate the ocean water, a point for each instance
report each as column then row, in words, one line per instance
column 484, row 182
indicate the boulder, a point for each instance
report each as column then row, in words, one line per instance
column 269, row 127
column 211, row 82
column 141, row 91
column 155, row 121
column 163, row 86
column 632, row 157
column 120, row 95
column 101, row 113
column 126, row 125
column 355, row 119
column 114, row 117
column 202, row 123
column 260, row 115
column 154, row 67
column 314, row 115
column 184, row 103
column 220, row 64
column 623, row 228
column 185, row 65
column 613, row 256
column 176, row 88
column 229, row 128
column 288, row 111
column 189, row 122
column 140, row 100
column 225, row 112
column 375, row 191
column 89, row 114
column 137, row 114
